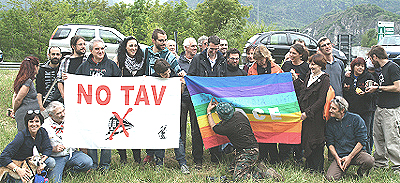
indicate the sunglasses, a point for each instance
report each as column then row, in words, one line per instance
column 102, row 48
column 33, row 111
column 58, row 54
column 161, row 40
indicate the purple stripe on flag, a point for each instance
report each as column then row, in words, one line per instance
column 247, row 91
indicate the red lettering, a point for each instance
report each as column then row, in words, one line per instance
column 87, row 96
column 108, row 97
column 127, row 88
column 145, row 98
column 158, row 99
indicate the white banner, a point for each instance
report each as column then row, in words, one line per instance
column 122, row 112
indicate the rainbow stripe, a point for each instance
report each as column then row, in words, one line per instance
column 268, row 100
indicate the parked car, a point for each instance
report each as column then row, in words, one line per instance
column 279, row 42
column 1, row 56
column 391, row 44
column 62, row 35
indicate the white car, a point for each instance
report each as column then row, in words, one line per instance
column 62, row 35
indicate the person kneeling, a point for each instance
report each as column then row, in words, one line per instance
column 65, row 157
column 236, row 127
column 346, row 138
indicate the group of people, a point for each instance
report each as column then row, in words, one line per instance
column 366, row 101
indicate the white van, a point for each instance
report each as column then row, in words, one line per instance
column 62, row 35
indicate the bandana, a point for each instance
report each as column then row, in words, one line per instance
column 131, row 65
column 225, row 110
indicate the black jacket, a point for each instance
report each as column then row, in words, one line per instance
column 105, row 68
column 359, row 103
column 234, row 71
column 201, row 66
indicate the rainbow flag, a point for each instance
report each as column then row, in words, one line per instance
column 268, row 100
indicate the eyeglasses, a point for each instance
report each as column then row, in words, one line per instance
column 33, row 111
column 326, row 44
column 193, row 46
column 102, row 48
column 213, row 49
column 80, row 44
column 224, row 44
column 58, row 54
column 237, row 59
column 161, row 40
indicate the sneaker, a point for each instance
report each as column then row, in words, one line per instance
column 185, row 169
column 275, row 175
column 148, row 159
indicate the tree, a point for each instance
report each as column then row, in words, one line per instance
column 369, row 38
column 213, row 15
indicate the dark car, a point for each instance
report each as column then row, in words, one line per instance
column 391, row 44
column 279, row 42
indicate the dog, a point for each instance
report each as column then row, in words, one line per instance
column 31, row 164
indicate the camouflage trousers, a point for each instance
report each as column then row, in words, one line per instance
column 246, row 166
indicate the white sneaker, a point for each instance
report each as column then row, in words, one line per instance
column 185, row 169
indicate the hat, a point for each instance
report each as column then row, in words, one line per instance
column 225, row 110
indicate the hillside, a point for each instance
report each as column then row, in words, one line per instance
column 355, row 21
column 299, row 13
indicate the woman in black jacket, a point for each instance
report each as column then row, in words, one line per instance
column 360, row 102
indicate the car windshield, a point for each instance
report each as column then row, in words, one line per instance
column 253, row 39
column 390, row 40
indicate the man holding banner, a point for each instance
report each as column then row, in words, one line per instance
column 237, row 128
column 99, row 65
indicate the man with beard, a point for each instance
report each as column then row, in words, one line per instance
column 47, row 78
column 159, row 50
column 223, row 47
column 386, row 127
column 71, row 62
column 233, row 57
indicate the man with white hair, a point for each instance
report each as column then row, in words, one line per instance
column 65, row 157
column 190, row 46
column 346, row 138
column 203, row 43
column 98, row 65
column 171, row 45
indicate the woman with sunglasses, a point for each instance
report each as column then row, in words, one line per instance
column 25, row 95
column 34, row 139
column 131, row 62
column 360, row 102
column 312, row 96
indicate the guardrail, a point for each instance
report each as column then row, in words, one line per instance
column 9, row 65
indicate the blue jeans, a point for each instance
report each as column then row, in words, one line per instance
column 79, row 162
column 105, row 158
column 158, row 153
column 180, row 153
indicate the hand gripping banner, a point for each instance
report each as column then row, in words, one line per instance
column 269, row 101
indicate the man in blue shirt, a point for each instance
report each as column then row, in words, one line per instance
column 346, row 138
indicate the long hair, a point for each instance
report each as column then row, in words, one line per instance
column 121, row 52
column 302, row 51
column 27, row 71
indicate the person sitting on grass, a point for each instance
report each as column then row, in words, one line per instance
column 65, row 157
column 346, row 138
column 236, row 126
column 162, row 69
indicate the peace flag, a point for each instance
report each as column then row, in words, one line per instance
column 268, row 100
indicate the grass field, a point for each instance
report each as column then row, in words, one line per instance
column 133, row 172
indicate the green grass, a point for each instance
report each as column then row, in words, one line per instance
column 133, row 172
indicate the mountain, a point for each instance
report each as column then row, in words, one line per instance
column 355, row 21
column 299, row 13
